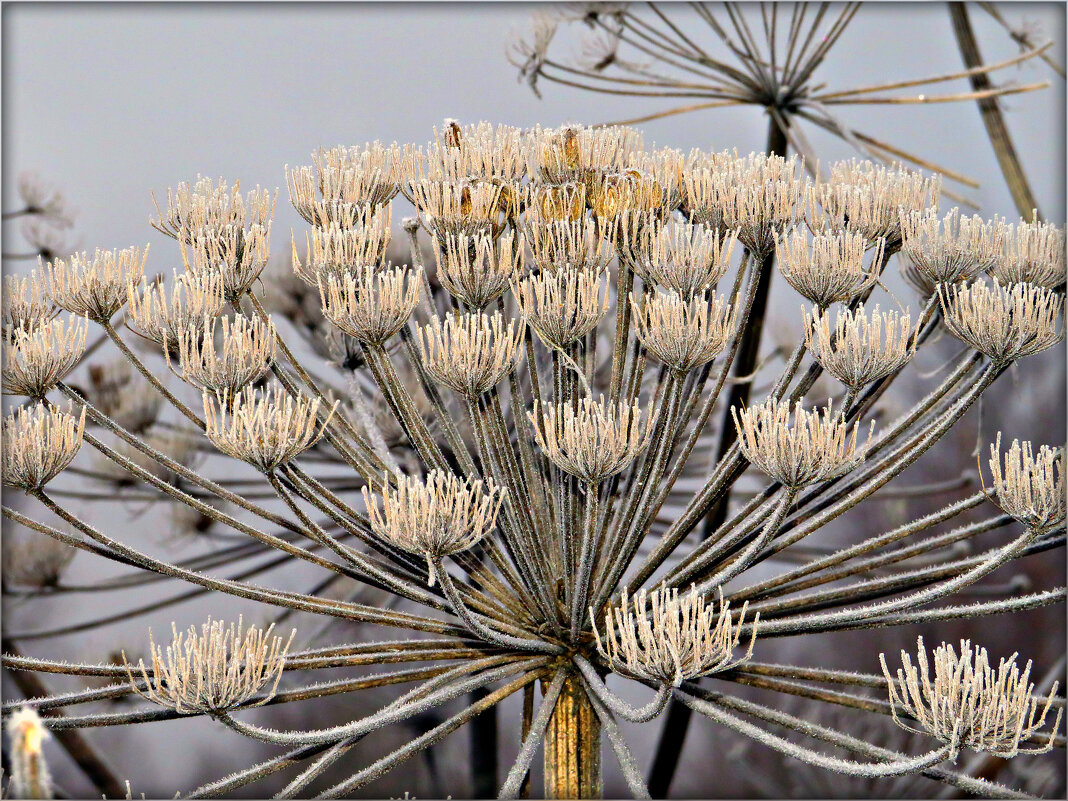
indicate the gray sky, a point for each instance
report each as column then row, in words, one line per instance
column 112, row 101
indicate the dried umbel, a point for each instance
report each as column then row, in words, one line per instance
column 967, row 703
column 119, row 391
column 162, row 317
column 212, row 670
column 469, row 353
column 436, row 517
column 1004, row 323
column 861, row 347
column 955, row 248
column 476, row 270
column 344, row 249
column 26, row 302
column 547, row 203
column 246, row 351
column 666, row 166
column 658, row 636
column 36, row 358
column 262, row 427
column 580, row 154
column 456, row 208
column 236, row 255
column 868, row 199
column 815, row 447
column 95, row 286
column 591, row 439
column 480, row 150
column 1031, row 486
column 829, row 269
column 36, row 561
column 341, row 177
column 214, row 207
column 370, row 305
column 1034, row 254
column 617, row 194
column 30, row 777
column 686, row 258
column 563, row 306
column 38, row 444
column 683, row 334
column 559, row 244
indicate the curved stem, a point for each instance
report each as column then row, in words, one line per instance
column 642, row 714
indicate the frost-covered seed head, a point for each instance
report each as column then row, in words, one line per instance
column 345, row 249
column 559, row 244
column 214, row 207
column 593, row 439
column 1031, row 486
column 480, row 151
column 248, row 347
column 969, row 703
column 476, row 270
column 815, row 447
column 26, row 302
column 829, row 269
column 683, row 334
column 237, row 255
column 1004, row 323
column 658, row 636
column 436, row 517
column 341, row 177
column 1034, row 254
column 212, row 670
column 262, row 427
column 194, row 299
column 36, row 358
column 563, row 306
column 581, row 154
column 683, row 257
column 548, row 203
column 30, row 777
column 860, row 348
column 95, row 286
column 370, row 305
column 38, row 444
column 953, row 248
column 469, row 353
column 470, row 208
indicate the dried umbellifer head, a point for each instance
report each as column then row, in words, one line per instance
column 1034, row 254
column 36, row 358
column 477, row 270
column 829, row 269
column 236, row 255
column 967, row 703
column 953, row 248
column 345, row 248
column 95, row 286
column 436, row 517
column 26, row 302
column 247, row 350
column 207, row 205
column 469, row 353
column 861, row 347
column 1031, row 486
column 212, row 670
column 370, row 305
column 683, row 334
column 563, row 306
column 161, row 317
column 38, row 444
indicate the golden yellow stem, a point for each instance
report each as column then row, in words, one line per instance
column 573, row 746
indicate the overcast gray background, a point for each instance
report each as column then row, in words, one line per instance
column 114, row 101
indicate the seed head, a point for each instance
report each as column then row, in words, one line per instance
column 440, row 516
column 1034, row 254
column 262, row 427
column 548, row 203
column 593, row 439
column 26, row 303
column 683, row 334
column 563, row 306
column 470, row 353
column 580, row 154
column 1031, row 488
column 38, row 444
column 955, row 248
column 830, row 269
column 658, row 636
column 559, row 244
column 666, row 166
column 95, row 286
column 211, row 206
column 477, row 271
column 816, row 447
column 861, row 348
column 195, row 298
column 867, row 198
column 237, row 255
column 617, row 194
column 685, row 258
column 36, row 561
column 370, row 305
column 480, row 151
column 346, row 176
column 1004, row 323
column 213, row 670
column 42, row 199
column 967, row 702
column 248, row 347
column 120, row 392
column 338, row 250
column 470, row 208
column 30, row 777
column 36, row 358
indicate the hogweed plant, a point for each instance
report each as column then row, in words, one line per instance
column 546, row 512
